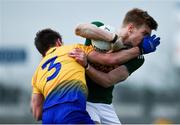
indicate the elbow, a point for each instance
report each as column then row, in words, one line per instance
column 107, row 86
column 123, row 78
column 107, row 83
column 78, row 29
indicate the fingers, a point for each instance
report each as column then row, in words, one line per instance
column 153, row 36
column 150, row 43
column 76, row 53
column 157, row 41
column 72, row 55
column 79, row 56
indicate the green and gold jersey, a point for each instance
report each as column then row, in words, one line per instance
column 99, row 94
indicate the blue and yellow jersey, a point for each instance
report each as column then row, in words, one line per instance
column 59, row 75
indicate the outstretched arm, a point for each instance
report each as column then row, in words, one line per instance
column 91, row 31
column 109, row 58
column 36, row 105
column 119, row 57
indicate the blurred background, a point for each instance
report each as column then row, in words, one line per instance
column 150, row 95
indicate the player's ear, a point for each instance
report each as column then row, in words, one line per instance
column 130, row 27
column 58, row 42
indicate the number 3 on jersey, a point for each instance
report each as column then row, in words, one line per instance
column 52, row 65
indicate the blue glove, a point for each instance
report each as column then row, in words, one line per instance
column 149, row 44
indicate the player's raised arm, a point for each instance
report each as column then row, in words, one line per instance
column 91, row 31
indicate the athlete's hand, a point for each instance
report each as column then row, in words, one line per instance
column 118, row 44
column 149, row 44
column 79, row 56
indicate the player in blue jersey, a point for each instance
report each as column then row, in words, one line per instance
column 59, row 88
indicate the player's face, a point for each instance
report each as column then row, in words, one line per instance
column 137, row 34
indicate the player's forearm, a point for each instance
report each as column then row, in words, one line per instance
column 90, row 31
column 36, row 106
column 124, row 56
column 99, row 77
column 107, row 79
column 116, row 58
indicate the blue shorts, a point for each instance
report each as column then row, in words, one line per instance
column 66, row 113
column 66, row 104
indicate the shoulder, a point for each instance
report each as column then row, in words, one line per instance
column 86, row 49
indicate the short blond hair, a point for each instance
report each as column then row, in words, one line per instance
column 139, row 17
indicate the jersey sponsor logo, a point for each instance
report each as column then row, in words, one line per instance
column 52, row 65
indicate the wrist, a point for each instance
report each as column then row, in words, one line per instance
column 114, row 38
column 86, row 66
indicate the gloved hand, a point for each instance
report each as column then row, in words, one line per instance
column 149, row 44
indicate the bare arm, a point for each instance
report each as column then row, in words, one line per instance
column 113, row 58
column 91, row 31
column 36, row 105
column 108, row 79
column 103, row 79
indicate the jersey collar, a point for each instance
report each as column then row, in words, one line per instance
column 50, row 50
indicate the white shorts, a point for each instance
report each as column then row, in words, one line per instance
column 102, row 113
